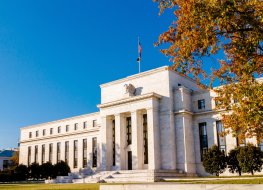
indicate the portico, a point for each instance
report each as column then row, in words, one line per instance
column 126, row 135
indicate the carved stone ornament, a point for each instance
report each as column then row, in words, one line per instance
column 129, row 90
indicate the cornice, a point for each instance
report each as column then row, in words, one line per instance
column 150, row 72
column 95, row 129
column 130, row 99
column 60, row 120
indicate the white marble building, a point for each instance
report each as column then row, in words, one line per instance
column 156, row 120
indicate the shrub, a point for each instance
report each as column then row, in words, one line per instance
column 250, row 159
column 21, row 172
column 34, row 169
column 232, row 161
column 47, row 170
column 214, row 161
column 61, row 169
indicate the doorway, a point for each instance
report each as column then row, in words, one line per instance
column 129, row 160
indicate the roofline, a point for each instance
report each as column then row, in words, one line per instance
column 60, row 120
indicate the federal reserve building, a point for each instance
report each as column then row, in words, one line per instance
column 149, row 125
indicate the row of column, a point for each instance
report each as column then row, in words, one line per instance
column 136, row 147
column 62, row 153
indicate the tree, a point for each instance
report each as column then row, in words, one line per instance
column 15, row 159
column 203, row 28
column 34, row 169
column 21, row 172
column 232, row 161
column 47, row 170
column 61, row 169
column 214, row 161
column 250, row 159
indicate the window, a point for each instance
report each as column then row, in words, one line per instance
column 67, row 128
column 220, row 140
column 201, row 104
column 217, row 102
column 50, row 159
column 113, row 144
column 94, row 123
column 75, row 126
column 30, row 134
column 75, row 163
column 29, row 156
column 59, row 129
column 5, row 164
column 261, row 146
column 58, row 152
column 85, row 161
column 66, row 151
column 36, row 154
column 44, row 132
column 94, row 152
column 36, row 133
column 145, row 139
column 51, row 131
column 84, row 124
column 203, row 139
column 43, row 154
column 128, row 130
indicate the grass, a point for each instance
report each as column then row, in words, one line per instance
column 49, row 186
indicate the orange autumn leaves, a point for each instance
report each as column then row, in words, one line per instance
column 203, row 28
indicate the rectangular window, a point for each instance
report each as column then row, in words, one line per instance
column 113, row 144
column 94, row 123
column 36, row 154
column 201, row 104
column 221, row 140
column 94, row 152
column 51, row 131
column 145, row 139
column 50, row 159
column 30, row 134
column 29, row 156
column 128, row 130
column 67, row 128
column 66, row 151
column 85, row 161
column 75, row 164
column 5, row 164
column 203, row 139
column 36, row 133
column 43, row 154
column 261, row 146
column 75, row 126
column 84, row 124
column 58, row 152
column 59, row 129
column 44, row 132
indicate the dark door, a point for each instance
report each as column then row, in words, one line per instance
column 129, row 160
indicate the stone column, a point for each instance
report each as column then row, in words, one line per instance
column 153, row 139
column 106, row 144
column 137, row 140
column 71, row 154
column 120, row 142
column 80, row 153
column 62, row 149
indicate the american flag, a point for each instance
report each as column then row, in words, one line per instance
column 139, row 51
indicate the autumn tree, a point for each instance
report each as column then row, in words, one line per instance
column 205, row 28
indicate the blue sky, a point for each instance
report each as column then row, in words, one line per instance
column 55, row 53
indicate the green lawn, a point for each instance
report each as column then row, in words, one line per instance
column 49, row 186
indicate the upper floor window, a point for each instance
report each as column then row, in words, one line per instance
column 51, row 131
column 75, row 126
column 67, row 128
column 84, row 124
column 36, row 133
column 30, row 134
column 201, row 104
column 44, row 132
column 59, row 129
column 128, row 131
column 94, row 123
column 261, row 146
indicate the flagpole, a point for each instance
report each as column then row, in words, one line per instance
column 139, row 62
